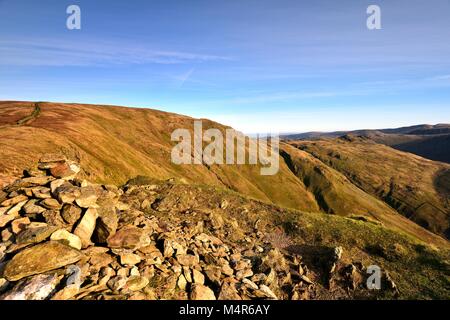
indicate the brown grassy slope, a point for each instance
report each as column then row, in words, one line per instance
column 11, row 112
column 405, row 181
column 114, row 144
column 337, row 195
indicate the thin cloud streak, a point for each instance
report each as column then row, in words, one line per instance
column 44, row 52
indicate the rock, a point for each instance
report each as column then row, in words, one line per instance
column 38, row 287
column 7, row 218
column 187, row 260
column 224, row 204
column 100, row 259
column 51, row 160
column 201, row 292
column 129, row 237
column 86, row 227
column 3, row 285
column 67, row 193
column 213, row 273
column 390, row 283
column 241, row 264
column 135, row 271
column 203, row 237
column 55, row 184
column 30, row 208
column 351, row 274
column 306, row 279
column 121, row 206
column 14, row 211
column 124, row 272
column 71, row 213
column 34, row 224
column 117, row 283
column 228, row 292
column 66, row 170
column 136, row 283
column 227, row 270
column 13, row 201
column 33, row 172
column 337, row 253
column 39, row 259
column 106, row 273
column 41, row 192
column 73, row 272
column 107, row 224
column 67, row 238
column 20, row 224
column 167, row 248
column 216, row 221
column 198, row 277
column 66, row 293
column 29, row 182
column 244, row 273
column 50, row 204
column 178, row 248
column 129, row 259
column 35, row 235
column 267, row 292
column 4, row 210
column 7, row 235
column 250, row 283
column 88, row 197
column 182, row 282
column 53, row 218
column 187, row 274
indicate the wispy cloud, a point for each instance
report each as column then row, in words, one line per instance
column 182, row 78
column 444, row 77
column 291, row 96
column 48, row 52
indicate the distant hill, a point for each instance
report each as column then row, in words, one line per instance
column 115, row 144
column 428, row 141
column 408, row 183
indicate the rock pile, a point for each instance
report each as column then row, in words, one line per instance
column 65, row 238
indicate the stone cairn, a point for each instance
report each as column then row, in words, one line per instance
column 65, row 238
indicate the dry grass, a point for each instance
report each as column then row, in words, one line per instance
column 404, row 181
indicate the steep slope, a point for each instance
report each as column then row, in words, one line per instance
column 115, row 144
column 404, row 181
column 432, row 146
column 336, row 194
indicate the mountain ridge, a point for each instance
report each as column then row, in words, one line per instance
column 116, row 144
column 428, row 141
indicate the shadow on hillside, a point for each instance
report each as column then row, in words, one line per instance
column 317, row 258
column 442, row 183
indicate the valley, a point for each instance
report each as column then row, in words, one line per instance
column 381, row 205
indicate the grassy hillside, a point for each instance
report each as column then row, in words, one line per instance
column 431, row 146
column 405, row 181
column 115, row 144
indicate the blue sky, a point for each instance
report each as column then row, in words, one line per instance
column 257, row 65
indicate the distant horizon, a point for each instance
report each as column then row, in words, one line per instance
column 256, row 66
column 281, row 133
